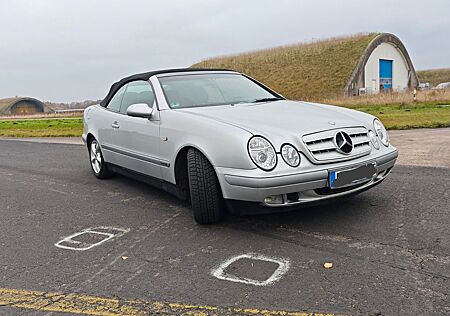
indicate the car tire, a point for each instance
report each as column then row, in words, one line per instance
column 206, row 196
column 98, row 165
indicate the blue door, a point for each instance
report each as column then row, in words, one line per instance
column 385, row 74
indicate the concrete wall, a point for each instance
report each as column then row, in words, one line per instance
column 400, row 71
column 26, row 107
column 23, row 106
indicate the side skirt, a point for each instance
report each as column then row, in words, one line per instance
column 155, row 182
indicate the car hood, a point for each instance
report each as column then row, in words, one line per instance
column 283, row 117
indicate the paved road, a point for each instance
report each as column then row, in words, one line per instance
column 428, row 147
column 390, row 246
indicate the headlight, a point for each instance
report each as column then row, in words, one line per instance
column 262, row 153
column 290, row 155
column 374, row 140
column 381, row 132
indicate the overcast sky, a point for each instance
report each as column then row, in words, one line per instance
column 63, row 50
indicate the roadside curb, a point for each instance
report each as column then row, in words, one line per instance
column 47, row 140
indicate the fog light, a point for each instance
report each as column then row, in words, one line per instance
column 274, row 199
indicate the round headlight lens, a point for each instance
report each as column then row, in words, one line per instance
column 262, row 153
column 290, row 155
column 381, row 132
column 374, row 139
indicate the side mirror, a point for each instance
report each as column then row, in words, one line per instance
column 140, row 110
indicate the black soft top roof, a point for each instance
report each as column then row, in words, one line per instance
column 145, row 76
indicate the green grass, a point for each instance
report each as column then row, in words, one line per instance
column 409, row 116
column 58, row 127
column 305, row 71
column 434, row 76
column 421, row 115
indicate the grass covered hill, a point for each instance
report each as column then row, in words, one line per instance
column 434, row 76
column 307, row 71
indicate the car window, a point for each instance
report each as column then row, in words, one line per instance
column 137, row 92
column 114, row 103
column 212, row 89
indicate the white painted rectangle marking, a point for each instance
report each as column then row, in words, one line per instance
column 106, row 233
column 283, row 267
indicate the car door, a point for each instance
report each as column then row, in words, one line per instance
column 137, row 139
column 107, row 121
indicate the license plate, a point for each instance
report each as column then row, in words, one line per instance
column 353, row 176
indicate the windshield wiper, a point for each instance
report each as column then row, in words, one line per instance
column 266, row 99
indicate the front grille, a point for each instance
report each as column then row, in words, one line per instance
column 322, row 148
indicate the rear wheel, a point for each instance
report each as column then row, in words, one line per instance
column 206, row 196
column 98, row 165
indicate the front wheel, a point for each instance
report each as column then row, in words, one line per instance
column 206, row 196
column 98, row 165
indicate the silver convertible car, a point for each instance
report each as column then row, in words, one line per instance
column 225, row 141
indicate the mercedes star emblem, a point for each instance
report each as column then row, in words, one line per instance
column 343, row 142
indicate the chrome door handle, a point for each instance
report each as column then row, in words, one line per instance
column 115, row 125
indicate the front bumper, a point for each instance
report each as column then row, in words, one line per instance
column 84, row 138
column 308, row 186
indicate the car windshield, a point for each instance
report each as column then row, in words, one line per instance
column 212, row 89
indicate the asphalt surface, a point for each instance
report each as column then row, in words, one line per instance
column 389, row 246
column 433, row 151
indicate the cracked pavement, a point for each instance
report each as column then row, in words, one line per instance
column 390, row 246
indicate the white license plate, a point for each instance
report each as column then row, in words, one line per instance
column 353, row 176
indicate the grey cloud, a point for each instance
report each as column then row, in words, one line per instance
column 62, row 50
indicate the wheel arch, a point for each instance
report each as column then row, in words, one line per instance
column 180, row 167
column 89, row 138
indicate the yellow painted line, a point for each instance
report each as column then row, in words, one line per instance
column 101, row 306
